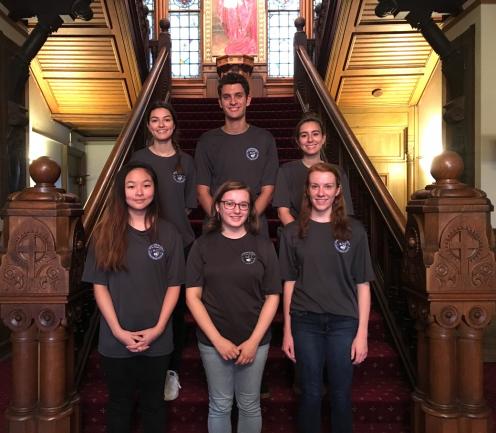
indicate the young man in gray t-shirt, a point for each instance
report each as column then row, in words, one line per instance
column 237, row 150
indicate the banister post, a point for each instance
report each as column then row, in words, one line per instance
column 165, row 81
column 41, row 259
column 450, row 271
column 299, row 40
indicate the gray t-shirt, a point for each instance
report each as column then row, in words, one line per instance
column 138, row 293
column 177, row 191
column 235, row 276
column 250, row 157
column 325, row 270
column 290, row 186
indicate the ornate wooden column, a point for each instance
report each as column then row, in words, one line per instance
column 41, row 262
column 451, row 275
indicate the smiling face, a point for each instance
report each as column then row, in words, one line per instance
column 322, row 190
column 310, row 138
column 233, row 101
column 233, row 219
column 161, row 124
column 139, row 189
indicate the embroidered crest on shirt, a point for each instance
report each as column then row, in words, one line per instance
column 156, row 251
column 248, row 257
column 342, row 246
column 252, row 153
column 179, row 177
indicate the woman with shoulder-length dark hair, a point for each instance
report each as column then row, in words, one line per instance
column 326, row 265
column 136, row 265
column 232, row 289
column 176, row 181
column 310, row 136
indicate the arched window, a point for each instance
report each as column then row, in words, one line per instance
column 281, row 15
column 185, row 36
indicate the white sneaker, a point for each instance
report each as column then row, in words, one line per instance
column 172, row 385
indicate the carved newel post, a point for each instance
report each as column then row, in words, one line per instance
column 451, row 274
column 41, row 261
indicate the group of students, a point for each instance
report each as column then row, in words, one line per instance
column 232, row 275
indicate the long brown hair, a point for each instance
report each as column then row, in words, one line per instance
column 340, row 225
column 214, row 223
column 109, row 239
column 175, row 134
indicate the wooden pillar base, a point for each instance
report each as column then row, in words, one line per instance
column 17, row 422
column 57, row 423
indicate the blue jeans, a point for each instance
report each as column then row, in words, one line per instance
column 324, row 339
column 225, row 379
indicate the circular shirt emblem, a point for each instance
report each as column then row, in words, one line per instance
column 342, row 246
column 156, row 251
column 248, row 257
column 252, row 153
column 179, row 177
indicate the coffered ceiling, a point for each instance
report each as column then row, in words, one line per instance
column 377, row 61
column 87, row 71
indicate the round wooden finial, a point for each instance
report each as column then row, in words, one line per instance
column 447, row 166
column 299, row 23
column 44, row 171
column 164, row 24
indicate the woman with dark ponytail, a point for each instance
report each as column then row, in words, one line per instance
column 326, row 265
column 177, row 185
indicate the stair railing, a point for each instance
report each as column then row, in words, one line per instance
column 156, row 86
column 373, row 203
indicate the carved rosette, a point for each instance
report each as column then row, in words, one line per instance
column 413, row 265
column 464, row 260
column 31, row 264
column 18, row 317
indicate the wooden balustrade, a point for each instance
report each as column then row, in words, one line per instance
column 450, row 272
column 40, row 270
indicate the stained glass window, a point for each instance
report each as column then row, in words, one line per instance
column 281, row 30
column 184, row 17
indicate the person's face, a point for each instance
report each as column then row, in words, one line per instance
column 239, row 201
column 322, row 190
column 161, row 124
column 233, row 101
column 310, row 138
column 139, row 189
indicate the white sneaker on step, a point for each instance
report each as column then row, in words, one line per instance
column 172, row 385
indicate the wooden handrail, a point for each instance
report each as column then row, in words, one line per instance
column 379, row 192
column 96, row 202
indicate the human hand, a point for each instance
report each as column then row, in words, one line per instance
column 226, row 348
column 359, row 349
column 288, row 345
column 131, row 340
column 247, row 352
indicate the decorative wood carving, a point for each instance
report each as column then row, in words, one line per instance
column 450, row 269
column 41, row 263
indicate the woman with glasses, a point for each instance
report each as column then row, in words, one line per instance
column 232, row 289
column 326, row 265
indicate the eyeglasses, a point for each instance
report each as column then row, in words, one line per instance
column 230, row 205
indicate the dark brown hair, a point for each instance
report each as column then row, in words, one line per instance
column 214, row 223
column 109, row 239
column 233, row 78
column 175, row 133
column 339, row 223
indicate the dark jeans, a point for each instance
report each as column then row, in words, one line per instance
column 125, row 377
column 324, row 339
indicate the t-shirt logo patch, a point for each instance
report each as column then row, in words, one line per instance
column 342, row 246
column 252, row 153
column 179, row 177
column 156, row 251
column 248, row 257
